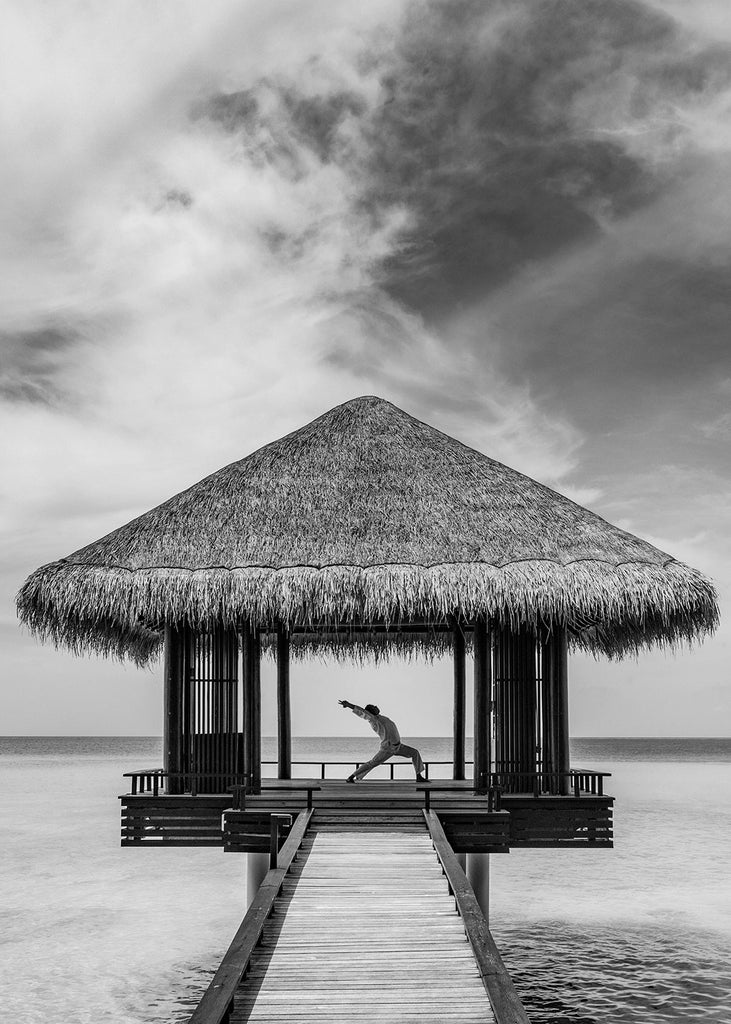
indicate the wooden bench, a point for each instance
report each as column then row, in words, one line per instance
column 254, row 832
column 281, row 786
column 492, row 795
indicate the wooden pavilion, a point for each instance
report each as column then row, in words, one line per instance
column 366, row 533
column 363, row 534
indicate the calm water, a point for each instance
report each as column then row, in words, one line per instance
column 93, row 933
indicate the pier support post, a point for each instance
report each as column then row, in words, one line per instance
column 257, row 865
column 478, row 874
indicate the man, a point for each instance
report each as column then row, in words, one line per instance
column 391, row 745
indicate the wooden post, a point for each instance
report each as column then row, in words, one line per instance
column 252, row 705
column 172, row 709
column 529, row 709
column 246, row 695
column 482, row 707
column 284, row 712
column 561, row 663
column 256, row 715
column 257, row 865
column 544, row 711
column 458, row 646
column 478, row 873
column 277, row 822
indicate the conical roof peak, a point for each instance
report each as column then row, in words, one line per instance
column 365, row 484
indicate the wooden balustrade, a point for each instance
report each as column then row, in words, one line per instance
column 156, row 781
column 581, row 780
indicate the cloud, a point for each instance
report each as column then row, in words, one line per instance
column 509, row 218
column 515, row 131
column 201, row 263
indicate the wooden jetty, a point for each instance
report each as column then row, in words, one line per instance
column 367, row 918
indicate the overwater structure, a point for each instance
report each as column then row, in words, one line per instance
column 368, row 532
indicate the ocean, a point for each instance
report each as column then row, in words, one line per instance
column 90, row 932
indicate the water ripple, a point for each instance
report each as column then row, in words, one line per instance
column 568, row 975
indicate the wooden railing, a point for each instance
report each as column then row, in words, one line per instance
column 215, row 1006
column 156, row 780
column 504, row 999
column 589, row 781
column 577, row 780
column 322, row 766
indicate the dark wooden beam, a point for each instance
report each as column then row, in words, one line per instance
column 173, row 702
column 482, row 707
column 252, row 707
column 561, row 668
column 256, row 716
column 528, row 709
column 370, row 627
column 547, row 745
column 458, row 648
column 284, row 711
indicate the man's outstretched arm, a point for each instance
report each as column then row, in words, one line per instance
column 357, row 710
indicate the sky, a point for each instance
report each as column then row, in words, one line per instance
column 219, row 220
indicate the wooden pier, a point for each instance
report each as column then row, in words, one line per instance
column 366, row 912
column 363, row 920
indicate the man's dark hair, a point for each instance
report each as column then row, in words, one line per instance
column 373, row 709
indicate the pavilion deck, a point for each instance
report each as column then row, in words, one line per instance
column 493, row 822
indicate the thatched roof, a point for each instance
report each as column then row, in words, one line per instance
column 367, row 514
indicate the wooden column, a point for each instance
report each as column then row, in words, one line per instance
column 284, row 711
column 252, row 706
column 172, row 718
column 547, row 747
column 561, row 689
column 527, row 747
column 482, row 706
column 458, row 757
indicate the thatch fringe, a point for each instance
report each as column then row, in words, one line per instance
column 608, row 609
column 363, row 648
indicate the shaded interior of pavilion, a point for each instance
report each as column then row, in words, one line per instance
column 213, row 698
